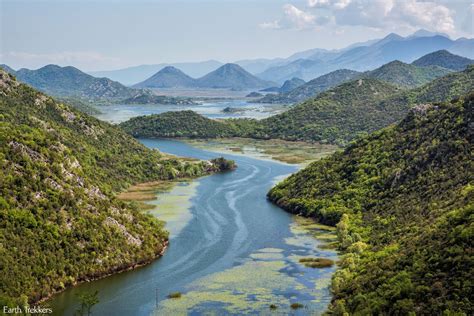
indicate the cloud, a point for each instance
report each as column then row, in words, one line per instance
column 298, row 18
column 294, row 18
column 411, row 14
column 270, row 25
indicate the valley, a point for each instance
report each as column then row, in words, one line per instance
column 226, row 240
column 312, row 181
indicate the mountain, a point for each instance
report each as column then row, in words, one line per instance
column 443, row 58
column 291, row 84
column 60, row 220
column 403, row 203
column 360, row 106
column 406, row 75
column 168, row 77
column 337, row 116
column 312, row 87
column 369, row 55
column 186, row 124
column 132, row 75
column 396, row 72
column 231, row 76
column 426, row 33
column 260, row 64
column 305, row 69
column 70, row 81
column 8, row 69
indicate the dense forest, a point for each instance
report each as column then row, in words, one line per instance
column 60, row 169
column 403, row 202
column 337, row 116
column 187, row 124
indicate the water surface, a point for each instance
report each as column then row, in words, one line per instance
column 231, row 251
column 117, row 113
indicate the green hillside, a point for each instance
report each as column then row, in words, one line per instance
column 60, row 169
column 336, row 116
column 311, row 88
column 402, row 200
column 445, row 59
column 406, row 75
column 187, row 124
column 71, row 82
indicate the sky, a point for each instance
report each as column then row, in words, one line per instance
column 112, row 34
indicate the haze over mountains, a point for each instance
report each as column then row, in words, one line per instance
column 362, row 58
column 313, row 63
column 228, row 76
column 424, row 70
column 132, row 75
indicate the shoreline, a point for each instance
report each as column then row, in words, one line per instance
column 102, row 276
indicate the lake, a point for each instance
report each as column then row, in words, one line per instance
column 231, row 251
column 116, row 113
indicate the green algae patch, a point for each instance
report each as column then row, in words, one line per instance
column 174, row 206
column 241, row 289
column 317, row 262
column 296, row 305
column 170, row 201
column 280, row 150
column 273, row 250
column 146, row 191
column 329, row 246
column 175, row 295
column 267, row 256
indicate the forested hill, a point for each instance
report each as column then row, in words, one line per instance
column 311, row 88
column 445, row 59
column 70, row 81
column 406, row 75
column 59, row 171
column 403, row 199
column 403, row 75
column 336, row 116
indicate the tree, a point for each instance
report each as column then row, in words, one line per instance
column 87, row 300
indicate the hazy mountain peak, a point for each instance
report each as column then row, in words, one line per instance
column 168, row 77
column 232, row 76
column 426, row 33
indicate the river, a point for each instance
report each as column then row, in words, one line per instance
column 231, row 251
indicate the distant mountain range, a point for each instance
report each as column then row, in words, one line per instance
column 70, row 81
column 312, row 87
column 228, row 76
column 131, row 75
column 313, row 63
column 423, row 70
column 338, row 115
column 369, row 55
